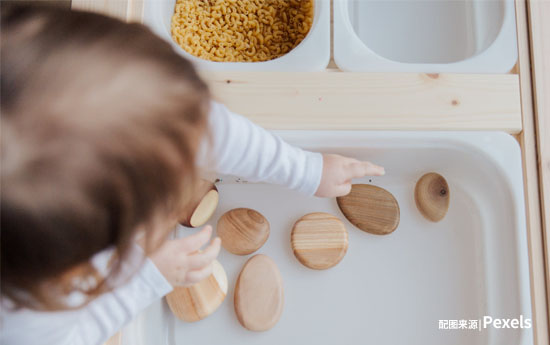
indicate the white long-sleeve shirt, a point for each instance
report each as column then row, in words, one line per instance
column 237, row 147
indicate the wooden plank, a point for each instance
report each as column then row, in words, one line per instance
column 115, row 339
column 530, row 174
column 58, row 3
column 135, row 11
column 400, row 101
column 539, row 13
column 127, row 10
column 115, row 8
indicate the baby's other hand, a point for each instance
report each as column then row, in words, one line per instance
column 181, row 261
column 338, row 172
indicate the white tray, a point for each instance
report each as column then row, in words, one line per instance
column 312, row 54
column 388, row 289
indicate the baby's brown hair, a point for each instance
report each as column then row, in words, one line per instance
column 101, row 122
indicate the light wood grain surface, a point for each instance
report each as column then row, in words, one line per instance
column 115, row 339
column 259, row 295
column 202, row 205
column 127, row 10
column 539, row 12
column 319, row 240
column 380, row 101
column 198, row 301
column 114, row 8
column 242, row 230
column 370, row 208
column 527, row 140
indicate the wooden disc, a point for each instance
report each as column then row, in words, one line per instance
column 370, row 208
column 194, row 303
column 319, row 240
column 242, row 230
column 259, row 296
column 201, row 206
column 432, row 196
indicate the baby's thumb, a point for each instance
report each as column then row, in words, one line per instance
column 343, row 189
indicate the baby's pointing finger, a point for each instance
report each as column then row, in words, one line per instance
column 206, row 256
column 362, row 169
column 194, row 242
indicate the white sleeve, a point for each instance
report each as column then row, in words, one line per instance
column 108, row 313
column 240, row 148
column 92, row 324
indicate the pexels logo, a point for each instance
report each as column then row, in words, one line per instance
column 522, row 322
column 486, row 322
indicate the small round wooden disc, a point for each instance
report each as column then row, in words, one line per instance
column 205, row 209
column 259, row 296
column 319, row 240
column 242, row 231
column 201, row 206
column 432, row 196
column 194, row 303
column 370, row 208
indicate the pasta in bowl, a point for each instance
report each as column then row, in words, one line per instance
column 308, row 54
column 241, row 30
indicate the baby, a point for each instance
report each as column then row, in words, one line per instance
column 105, row 133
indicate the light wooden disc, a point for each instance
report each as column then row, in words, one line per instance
column 205, row 209
column 370, row 208
column 242, row 230
column 319, row 240
column 201, row 206
column 194, row 303
column 432, row 196
column 259, row 296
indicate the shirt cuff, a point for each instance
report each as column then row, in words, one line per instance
column 313, row 173
column 154, row 278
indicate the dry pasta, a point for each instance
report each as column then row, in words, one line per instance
column 241, row 30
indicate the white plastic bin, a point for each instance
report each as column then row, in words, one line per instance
column 463, row 36
column 390, row 289
column 312, row 54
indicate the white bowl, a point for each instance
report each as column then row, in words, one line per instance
column 312, row 54
column 431, row 36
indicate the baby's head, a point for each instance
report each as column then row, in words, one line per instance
column 101, row 122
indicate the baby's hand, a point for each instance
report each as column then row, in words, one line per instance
column 338, row 172
column 180, row 260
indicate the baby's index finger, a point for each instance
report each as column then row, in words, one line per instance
column 194, row 242
column 362, row 169
column 205, row 257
